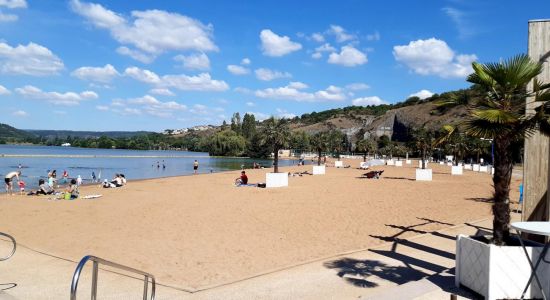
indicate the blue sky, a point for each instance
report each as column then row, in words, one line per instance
column 154, row 65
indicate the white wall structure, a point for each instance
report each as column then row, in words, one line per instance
column 339, row 164
column 319, row 170
column 398, row 163
column 273, row 180
column 456, row 170
column 424, row 174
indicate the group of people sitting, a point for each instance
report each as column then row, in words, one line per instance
column 44, row 188
column 118, row 181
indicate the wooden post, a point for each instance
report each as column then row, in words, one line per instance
column 536, row 169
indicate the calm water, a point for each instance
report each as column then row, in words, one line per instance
column 134, row 164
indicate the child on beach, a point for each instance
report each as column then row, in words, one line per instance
column 21, row 187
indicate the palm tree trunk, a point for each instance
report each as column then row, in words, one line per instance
column 276, row 162
column 365, row 157
column 319, row 157
column 423, row 158
column 501, row 181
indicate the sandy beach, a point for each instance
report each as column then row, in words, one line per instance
column 199, row 231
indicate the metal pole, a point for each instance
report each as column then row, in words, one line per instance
column 145, row 285
column 94, row 280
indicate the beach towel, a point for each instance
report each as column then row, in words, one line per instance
column 92, row 196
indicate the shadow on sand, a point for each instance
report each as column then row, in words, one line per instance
column 357, row 272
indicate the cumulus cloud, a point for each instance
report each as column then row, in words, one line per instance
column 137, row 55
column 200, row 82
column 162, row 92
column 316, row 55
column 194, row 61
column 13, row 3
column 146, row 104
column 276, row 45
column 56, row 98
column 246, row 61
column 348, row 57
column 340, row 34
column 98, row 74
column 434, row 57
column 422, row 94
column 318, row 37
column 268, row 75
column 4, row 90
column 358, row 86
column 294, row 91
column 32, row 59
column 20, row 113
column 8, row 17
column 364, row 101
column 374, row 36
column 237, row 70
column 151, row 31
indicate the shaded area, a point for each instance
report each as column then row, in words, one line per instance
column 399, row 178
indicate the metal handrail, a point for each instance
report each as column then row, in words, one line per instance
column 96, row 261
column 14, row 246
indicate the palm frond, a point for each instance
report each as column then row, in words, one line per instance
column 495, row 116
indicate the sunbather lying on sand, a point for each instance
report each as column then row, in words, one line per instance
column 373, row 174
column 299, row 173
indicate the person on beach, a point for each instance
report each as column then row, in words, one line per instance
column 73, row 190
column 117, row 180
column 242, row 180
column 51, row 181
column 79, row 180
column 94, row 178
column 9, row 180
column 43, row 188
column 195, row 167
column 122, row 178
column 21, row 184
column 65, row 176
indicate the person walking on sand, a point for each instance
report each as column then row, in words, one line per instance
column 195, row 167
column 9, row 181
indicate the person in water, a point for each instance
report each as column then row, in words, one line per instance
column 9, row 180
column 195, row 166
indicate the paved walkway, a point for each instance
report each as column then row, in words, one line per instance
column 415, row 268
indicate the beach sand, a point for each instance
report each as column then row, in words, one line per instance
column 198, row 231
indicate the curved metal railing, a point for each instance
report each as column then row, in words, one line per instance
column 14, row 246
column 96, row 261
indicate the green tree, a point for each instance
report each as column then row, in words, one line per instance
column 423, row 140
column 249, row 126
column 366, row 146
column 337, row 141
column 299, row 140
column 226, row 143
column 383, row 141
column 276, row 135
column 320, row 142
column 255, row 149
column 236, row 123
column 478, row 147
column 454, row 140
column 502, row 116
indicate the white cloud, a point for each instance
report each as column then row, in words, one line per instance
column 275, row 45
column 294, row 91
column 340, row 34
column 146, row 104
column 250, row 104
column 348, row 57
column 259, row 116
column 197, row 61
column 56, row 98
column 162, row 92
column 20, row 113
column 98, row 74
column 325, row 48
column 102, row 107
column 4, row 90
column 284, row 114
column 13, row 3
column 243, row 90
column 237, row 70
column 137, row 55
column 358, row 86
column 33, row 59
column 461, row 22
column 200, row 82
column 316, row 55
column 364, row 101
column 142, row 75
column 373, row 37
column 8, row 17
column 268, row 75
column 318, row 37
column 422, row 94
column 434, row 57
column 297, row 85
column 246, row 61
column 152, row 31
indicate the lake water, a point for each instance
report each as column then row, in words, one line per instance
column 36, row 161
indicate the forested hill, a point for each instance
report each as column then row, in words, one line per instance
column 63, row 134
column 8, row 132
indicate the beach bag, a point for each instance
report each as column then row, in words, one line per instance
column 67, row 196
column 261, row 185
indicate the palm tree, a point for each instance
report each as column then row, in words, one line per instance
column 319, row 143
column 337, row 140
column 501, row 115
column 423, row 141
column 478, row 147
column 276, row 134
column 366, row 146
column 455, row 140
